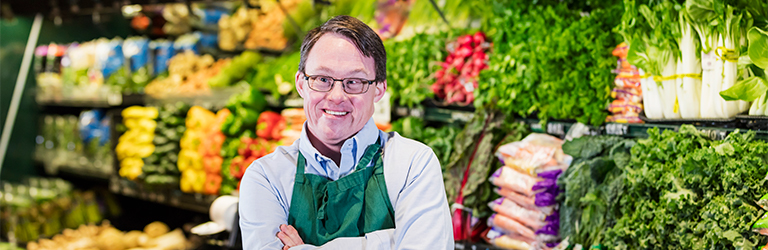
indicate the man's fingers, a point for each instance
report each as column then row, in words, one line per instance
column 291, row 231
column 287, row 241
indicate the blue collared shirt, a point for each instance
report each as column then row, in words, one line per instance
column 414, row 184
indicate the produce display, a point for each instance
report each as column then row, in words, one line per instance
column 155, row 235
column 190, row 164
column 672, row 190
column 471, row 162
column 690, row 53
column 439, row 139
column 457, row 77
column 42, row 207
column 136, row 142
column 527, row 212
column 188, row 74
column 76, row 142
column 551, row 61
column 160, row 168
column 628, row 92
column 410, row 64
column 754, row 85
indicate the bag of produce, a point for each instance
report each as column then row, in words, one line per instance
column 531, row 218
column 534, row 154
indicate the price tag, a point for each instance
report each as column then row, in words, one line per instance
column 714, row 134
column 417, row 113
column 616, row 129
column 461, row 116
column 536, row 126
column 401, row 111
column 556, row 128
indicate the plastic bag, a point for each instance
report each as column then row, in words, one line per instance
column 534, row 154
column 534, row 219
column 509, row 178
column 510, row 226
column 524, row 201
column 498, row 238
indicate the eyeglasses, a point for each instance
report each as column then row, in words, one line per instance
column 350, row 85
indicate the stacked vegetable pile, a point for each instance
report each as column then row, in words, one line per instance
column 549, row 60
column 188, row 74
column 210, row 149
column 155, row 235
column 592, row 185
column 409, row 67
column 471, row 163
column 628, row 92
column 136, row 142
column 193, row 175
column 160, row 167
column 675, row 190
column 457, row 77
column 690, row 54
column 754, row 86
column 527, row 213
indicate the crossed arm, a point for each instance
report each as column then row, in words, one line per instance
column 422, row 218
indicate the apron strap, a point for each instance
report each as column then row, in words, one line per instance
column 370, row 152
column 300, row 168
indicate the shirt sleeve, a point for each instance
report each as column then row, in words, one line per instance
column 261, row 213
column 422, row 216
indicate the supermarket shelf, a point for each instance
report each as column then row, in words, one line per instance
column 168, row 196
column 431, row 113
column 560, row 129
column 80, row 171
column 109, row 101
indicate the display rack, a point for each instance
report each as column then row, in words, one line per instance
column 164, row 195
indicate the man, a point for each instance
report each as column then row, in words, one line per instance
column 344, row 184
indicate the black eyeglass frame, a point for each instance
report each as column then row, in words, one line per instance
column 366, row 82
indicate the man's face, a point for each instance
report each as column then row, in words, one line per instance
column 335, row 116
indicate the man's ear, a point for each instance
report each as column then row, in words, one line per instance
column 380, row 88
column 299, row 81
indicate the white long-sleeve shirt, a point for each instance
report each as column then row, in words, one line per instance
column 414, row 184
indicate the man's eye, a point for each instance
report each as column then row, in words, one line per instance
column 354, row 82
column 324, row 79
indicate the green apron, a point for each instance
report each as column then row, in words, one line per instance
column 356, row 204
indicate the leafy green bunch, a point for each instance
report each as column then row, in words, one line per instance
column 550, row 60
column 683, row 191
column 410, row 64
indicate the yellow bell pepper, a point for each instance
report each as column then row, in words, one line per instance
column 191, row 139
column 199, row 117
column 140, row 112
column 131, row 167
column 192, row 181
column 144, row 150
column 199, row 183
column 142, row 124
column 187, row 179
column 189, row 159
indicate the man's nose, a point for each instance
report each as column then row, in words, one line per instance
column 337, row 93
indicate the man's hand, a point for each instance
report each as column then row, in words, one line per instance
column 289, row 236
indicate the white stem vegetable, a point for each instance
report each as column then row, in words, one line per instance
column 651, row 97
column 668, row 89
column 689, row 94
column 716, row 76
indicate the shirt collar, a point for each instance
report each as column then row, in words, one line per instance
column 351, row 151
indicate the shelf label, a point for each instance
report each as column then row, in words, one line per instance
column 556, row 128
column 714, row 134
column 536, row 126
column 401, row 111
column 417, row 113
column 461, row 116
column 619, row 129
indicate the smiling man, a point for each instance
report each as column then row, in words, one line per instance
column 344, row 184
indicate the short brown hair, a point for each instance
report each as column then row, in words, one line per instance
column 365, row 39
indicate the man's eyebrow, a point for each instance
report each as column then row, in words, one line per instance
column 323, row 68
